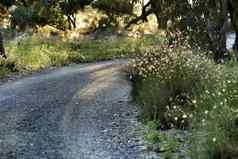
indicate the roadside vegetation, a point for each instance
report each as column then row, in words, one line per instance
column 37, row 52
column 181, row 89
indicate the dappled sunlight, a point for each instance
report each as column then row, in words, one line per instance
column 105, row 80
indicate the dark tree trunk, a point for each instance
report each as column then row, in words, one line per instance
column 154, row 8
column 71, row 21
column 74, row 20
column 217, row 40
column 217, row 34
column 143, row 17
column 2, row 50
column 144, row 14
column 235, row 46
column 232, row 7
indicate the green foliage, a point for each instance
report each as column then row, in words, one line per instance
column 218, row 119
column 38, row 52
column 4, row 72
column 6, row 67
column 35, row 53
column 166, row 82
column 179, row 88
column 152, row 134
column 71, row 6
column 7, row 3
column 52, row 16
column 24, row 16
column 115, row 6
column 167, row 143
column 38, row 13
column 110, row 48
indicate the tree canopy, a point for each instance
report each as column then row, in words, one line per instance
column 192, row 17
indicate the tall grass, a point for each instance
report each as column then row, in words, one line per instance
column 32, row 53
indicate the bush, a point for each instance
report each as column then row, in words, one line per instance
column 38, row 14
column 182, row 89
column 167, row 82
column 6, row 67
column 8, row 64
column 24, row 16
column 217, row 122
column 35, row 53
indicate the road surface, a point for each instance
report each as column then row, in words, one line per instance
column 74, row 112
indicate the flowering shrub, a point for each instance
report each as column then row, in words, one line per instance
column 217, row 122
column 167, row 80
column 185, row 90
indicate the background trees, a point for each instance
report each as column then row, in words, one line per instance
column 202, row 22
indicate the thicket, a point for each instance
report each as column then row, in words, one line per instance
column 180, row 88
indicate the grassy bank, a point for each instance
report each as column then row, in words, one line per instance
column 178, row 89
column 37, row 52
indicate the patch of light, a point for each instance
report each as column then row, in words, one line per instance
column 146, row 1
column 190, row 2
column 230, row 40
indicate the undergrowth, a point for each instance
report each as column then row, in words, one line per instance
column 37, row 52
column 184, row 90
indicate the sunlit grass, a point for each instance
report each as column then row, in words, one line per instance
column 33, row 53
column 111, row 48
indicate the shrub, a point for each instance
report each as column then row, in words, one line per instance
column 216, row 138
column 182, row 89
column 6, row 67
column 166, row 82
column 38, row 14
column 217, row 122
column 24, row 16
column 8, row 64
column 35, row 53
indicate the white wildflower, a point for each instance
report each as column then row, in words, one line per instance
column 214, row 139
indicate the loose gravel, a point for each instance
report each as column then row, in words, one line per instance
column 75, row 112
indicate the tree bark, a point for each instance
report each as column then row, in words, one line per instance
column 217, row 34
column 71, row 20
column 143, row 17
column 232, row 5
column 2, row 49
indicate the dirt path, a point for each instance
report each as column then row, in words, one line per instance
column 76, row 112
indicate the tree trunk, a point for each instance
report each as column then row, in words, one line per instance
column 71, row 21
column 2, row 50
column 143, row 16
column 233, row 9
column 217, row 33
column 235, row 47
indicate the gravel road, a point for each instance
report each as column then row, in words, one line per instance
column 75, row 112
